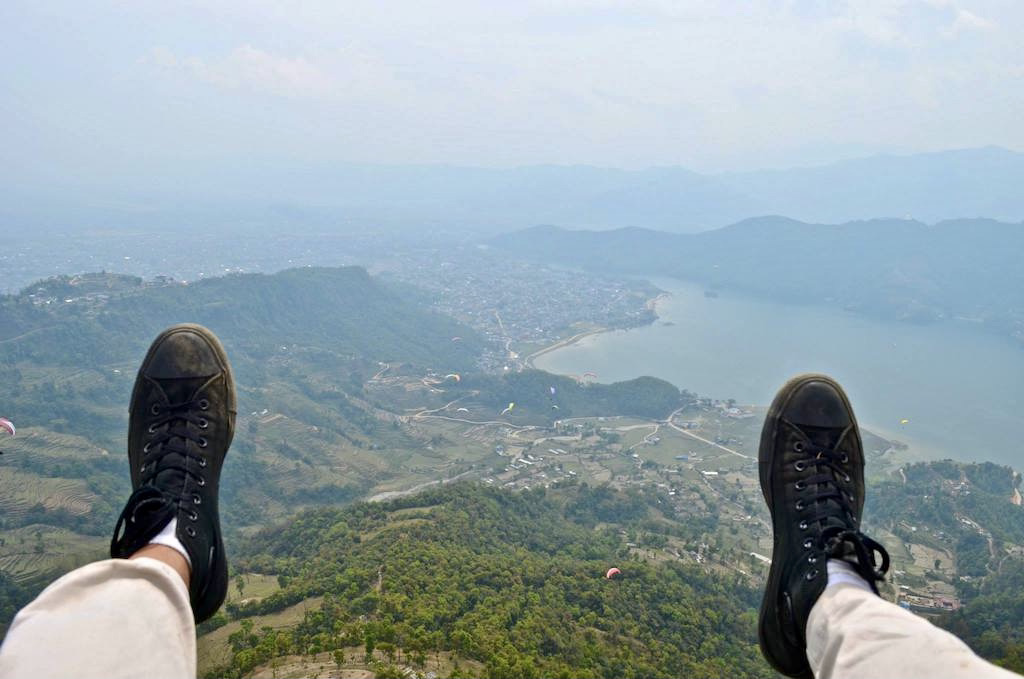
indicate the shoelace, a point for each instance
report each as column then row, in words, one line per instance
column 168, row 452
column 170, row 444
column 833, row 511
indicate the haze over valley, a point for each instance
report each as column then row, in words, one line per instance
column 507, row 291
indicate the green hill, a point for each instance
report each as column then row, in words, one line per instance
column 507, row 583
column 303, row 342
column 336, row 311
column 541, row 396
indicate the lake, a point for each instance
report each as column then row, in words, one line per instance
column 960, row 387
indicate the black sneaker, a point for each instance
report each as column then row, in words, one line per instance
column 812, row 476
column 182, row 419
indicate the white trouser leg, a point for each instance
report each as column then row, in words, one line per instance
column 853, row 633
column 116, row 618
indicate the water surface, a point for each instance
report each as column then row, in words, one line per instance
column 960, row 387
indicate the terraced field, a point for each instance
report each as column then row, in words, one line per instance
column 20, row 492
column 41, row 443
column 34, row 552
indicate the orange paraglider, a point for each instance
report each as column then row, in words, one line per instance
column 612, row 572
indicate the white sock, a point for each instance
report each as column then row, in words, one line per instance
column 168, row 538
column 841, row 572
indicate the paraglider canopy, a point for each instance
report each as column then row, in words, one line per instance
column 612, row 572
column 7, row 425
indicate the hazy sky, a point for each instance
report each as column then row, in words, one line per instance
column 136, row 87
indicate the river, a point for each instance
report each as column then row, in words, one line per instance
column 960, row 388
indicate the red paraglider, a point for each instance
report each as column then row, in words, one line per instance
column 7, row 426
column 612, row 572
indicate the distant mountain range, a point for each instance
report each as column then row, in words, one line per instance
column 903, row 269
column 969, row 183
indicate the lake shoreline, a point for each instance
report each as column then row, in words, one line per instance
column 651, row 305
column 956, row 387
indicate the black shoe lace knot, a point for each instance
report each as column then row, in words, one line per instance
column 148, row 510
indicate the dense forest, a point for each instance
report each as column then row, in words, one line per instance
column 991, row 621
column 541, row 395
column 512, row 581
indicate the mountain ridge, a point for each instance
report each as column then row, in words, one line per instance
column 893, row 268
column 930, row 186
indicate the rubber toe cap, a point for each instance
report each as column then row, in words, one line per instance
column 183, row 354
column 817, row 404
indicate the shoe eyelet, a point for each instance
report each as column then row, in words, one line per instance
column 192, row 516
column 813, row 574
column 803, row 525
column 808, row 543
column 152, row 429
column 846, row 478
column 202, row 462
column 204, row 423
column 190, row 531
column 812, row 559
column 801, row 485
column 798, row 446
column 196, row 500
column 202, row 482
column 845, row 458
column 204, row 404
column 203, row 442
column 799, row 466
column 155, row 409
column 800, row 505
column 142, row 469
column 146, row 448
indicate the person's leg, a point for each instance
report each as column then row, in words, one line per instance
column 135, row 614
column 851, row 632
column 821, row 614
column 114, row 618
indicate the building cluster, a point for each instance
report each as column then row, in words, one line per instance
column 516, row 303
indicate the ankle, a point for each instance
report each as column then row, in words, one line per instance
column 169, row 556
column 842, row 573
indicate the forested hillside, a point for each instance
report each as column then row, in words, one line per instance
column 75, row 321
column 541, row 395
column 512, row 584
column 964, row 511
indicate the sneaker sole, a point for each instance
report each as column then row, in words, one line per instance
column 785, row 651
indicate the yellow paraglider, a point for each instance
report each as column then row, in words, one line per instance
column 453, row 376
column 510, row 407
column 904, row 421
